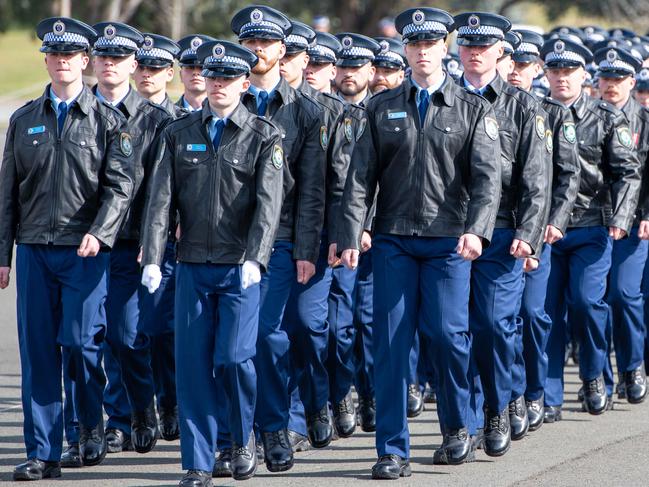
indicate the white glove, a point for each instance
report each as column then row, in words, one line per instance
column 250, row 274
column 151, row 277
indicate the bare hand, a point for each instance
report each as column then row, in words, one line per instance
column 469, row 246
column 4, row 277
column 616, row 233
column 89, row 246
column 178, row 232
column 305, row 271
column 520, row 249
column 530, row 264
column 552, row 234
column 139, row 256
column 366, row 242
column 643, row 230
column 332, row 259
column 350, row 258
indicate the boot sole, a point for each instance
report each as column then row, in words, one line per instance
column 499, row 453
column 405, row 472
column 278, row 468
column 148, row 449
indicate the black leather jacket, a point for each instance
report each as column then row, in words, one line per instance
column 144, row 121
column 610, row 171
column 55, row 189
column 176, row 110
column 305, row 142
column 229, row 202
column 638, row 118
column 565, row 163
column 526, row 167
column 441, row 180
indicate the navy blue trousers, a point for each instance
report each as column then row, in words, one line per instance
column 419, row 283
column 531, row 363
column 496, row 288
column 216, row 332
column 363, row 324
column 576, row 288
column 60, row 306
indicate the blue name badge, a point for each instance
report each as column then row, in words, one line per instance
column 36, row 130
column 196, row 147
column 396, row 115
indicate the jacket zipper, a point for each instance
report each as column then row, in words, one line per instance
column 55, row 184
column 215, row 156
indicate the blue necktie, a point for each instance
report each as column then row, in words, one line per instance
column 424, row 99
column 262, row 103
column 63, row 112
column 216, row 140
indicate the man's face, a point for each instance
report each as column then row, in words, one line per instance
column 149, row 81
column 565, row 83
column 478, row 60
column 113, row 71
column 353, row 80
column 524, row 74
column 616, row 91
column 192, row 79
column 505, row 66
column 386, row 79
column 269, row 52
column 292, row 66
column 642, row 97
column 65, row 68
column 225, row 92
column 425, row 57
column 320, row 76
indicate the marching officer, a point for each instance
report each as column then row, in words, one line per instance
column 114, row 61
column 497, row 275
column 531, row 363
column 190, row 72
column 427, row 230
column 67, row 178
column 221, row 168
column 603, row 211
column 506, row 64
column 617, row 68
column 154, row 70
column 295, row 253
column 641, row 91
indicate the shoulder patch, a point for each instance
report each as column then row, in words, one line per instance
column 324, row 137
column 361, row 129
column 125, row 144
column 349, row 130
column 569, row 132
column 624, row 136
column 277, row 157
column 549, row 143
column 539, row 124
column 491, row 127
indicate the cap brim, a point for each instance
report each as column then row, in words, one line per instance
column 223, row 72
column 563, row 64
column 423, row 36
column 61, row 48
column 477, row 41
column 525, row 58
column 353, row 63
column 642, row 86
column 313, row 59
column 273, row 36
column 190, row 63
column 154, row 62
column 387, row 65
column 113, row 52
column 293, row 49
column 614, row 74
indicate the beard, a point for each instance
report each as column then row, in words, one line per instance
column 264, row 65
column 351, row 90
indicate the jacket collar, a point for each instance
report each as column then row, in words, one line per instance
column 84, row 101
column 239, row 116
column 446, row 91
column 580, row 106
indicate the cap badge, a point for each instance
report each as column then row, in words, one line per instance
column 385, row 47
column 418, row 17
column 611, row 56
column 256, row 16
column 110, row 32
column 196, row 43
column 218, row 51
column 559, row 47
column 347, row 42
column 148, row 43
column 58, row 28
column 474, row 21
